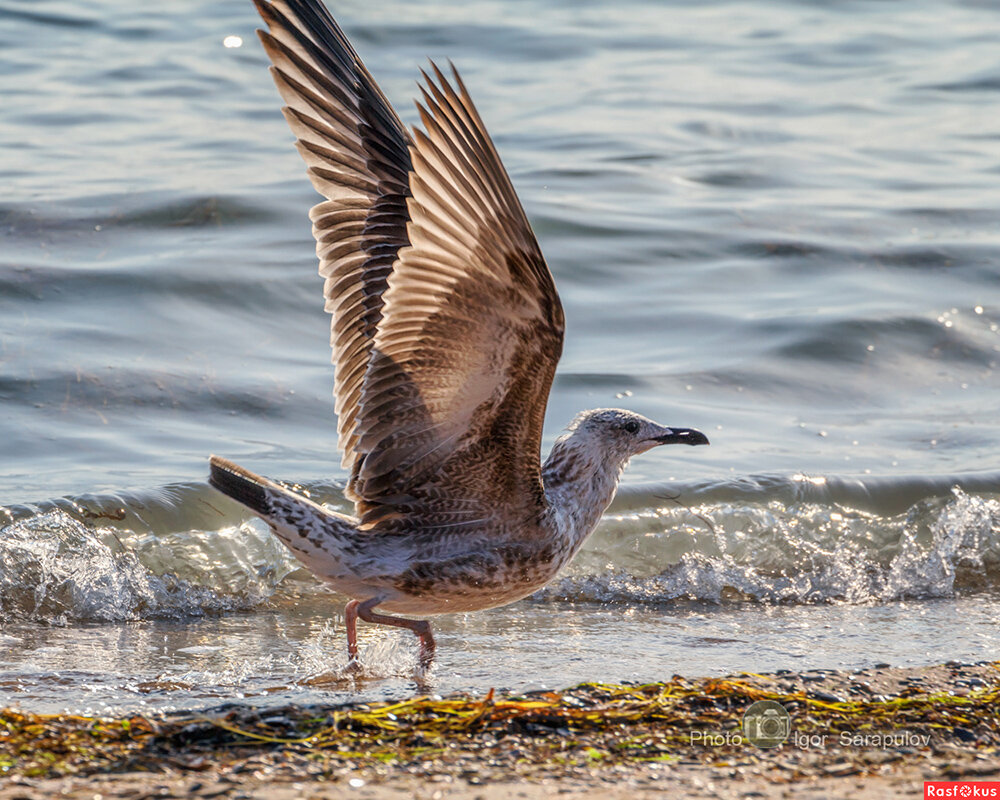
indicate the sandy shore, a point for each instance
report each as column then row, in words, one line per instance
column 873, row 733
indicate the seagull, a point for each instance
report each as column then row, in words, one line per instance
column 446, row 331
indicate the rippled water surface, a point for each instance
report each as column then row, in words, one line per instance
column 777, row 222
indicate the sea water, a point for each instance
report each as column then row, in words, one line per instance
column 774, row 221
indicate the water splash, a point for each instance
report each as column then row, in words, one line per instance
column 947, row 550
column 790, row 554
column 55, row 568
column 316, row 664
column 775, row 548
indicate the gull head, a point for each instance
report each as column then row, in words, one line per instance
column 582, row 471
column 617, row 435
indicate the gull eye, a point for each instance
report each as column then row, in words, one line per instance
column 632, row 426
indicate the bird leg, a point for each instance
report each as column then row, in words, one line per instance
column 351, row 618
column 421, row 627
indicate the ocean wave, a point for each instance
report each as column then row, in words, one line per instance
column 180, row 551
column 57, row 569
column 799, row 553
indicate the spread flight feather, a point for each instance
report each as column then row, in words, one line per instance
column 446, row 322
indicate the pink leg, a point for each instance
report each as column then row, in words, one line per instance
column 420, row 627
column 351, row 618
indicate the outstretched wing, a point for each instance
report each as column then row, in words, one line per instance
column 443, row 429
column 357, row 154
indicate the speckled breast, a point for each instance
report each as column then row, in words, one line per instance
column 475, row 581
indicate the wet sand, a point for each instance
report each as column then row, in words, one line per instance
column 879, row 732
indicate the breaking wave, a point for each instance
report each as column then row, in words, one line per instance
column 767, row 539
column 58, row 569
column 799, row 553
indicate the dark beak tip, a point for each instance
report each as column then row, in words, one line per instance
column 684, row 436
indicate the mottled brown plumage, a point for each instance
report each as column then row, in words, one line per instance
column 446, row 332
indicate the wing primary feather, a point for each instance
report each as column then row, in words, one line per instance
column 446, row 323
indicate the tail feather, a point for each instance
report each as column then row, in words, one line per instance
column 273, row 502
column 240, row 484
column 313, row 533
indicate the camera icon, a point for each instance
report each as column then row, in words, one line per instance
column 766, row 724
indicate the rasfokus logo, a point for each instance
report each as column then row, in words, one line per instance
column 962, row 790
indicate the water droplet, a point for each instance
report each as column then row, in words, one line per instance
column 232, row 41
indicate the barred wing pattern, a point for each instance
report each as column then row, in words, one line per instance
column 356, row 150
column 447, row 326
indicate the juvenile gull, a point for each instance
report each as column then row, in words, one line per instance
column 446, row 331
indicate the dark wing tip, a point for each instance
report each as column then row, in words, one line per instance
column 239, row 484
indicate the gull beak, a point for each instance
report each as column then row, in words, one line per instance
column 681, row 436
